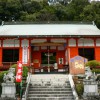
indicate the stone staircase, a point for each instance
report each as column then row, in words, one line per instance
column 50, row 87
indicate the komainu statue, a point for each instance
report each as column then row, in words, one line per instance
column 9, row 77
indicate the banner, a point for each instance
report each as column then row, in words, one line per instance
column 19, row 72
column 25, row 55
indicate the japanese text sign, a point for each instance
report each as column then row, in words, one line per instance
column 19, row 72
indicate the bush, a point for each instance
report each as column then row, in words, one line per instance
column 13, row 66
column 1, row 79
column 1, row 75
column 93, row 63
column 98, row 78
column 96, row 70
column 25, row 69
column 79, row 89
column 18, row 85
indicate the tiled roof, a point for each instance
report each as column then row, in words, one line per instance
column 49, row 30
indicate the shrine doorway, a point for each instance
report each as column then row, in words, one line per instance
column 48, row 59
column 87, row 53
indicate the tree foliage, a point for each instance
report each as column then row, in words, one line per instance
column 32, row 10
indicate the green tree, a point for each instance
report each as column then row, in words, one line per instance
column 32, row 7
column 88, row 13
column 96, row 7
column 61, row 13
column 30, row 10
column 78, row 6
column 9, row 9
column 91, row 13
column 47, row 14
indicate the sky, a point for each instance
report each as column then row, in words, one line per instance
column 94, row 0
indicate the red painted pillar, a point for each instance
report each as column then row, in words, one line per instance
column 97, row 51
column 73, row 51
column 0, row 56
column 20, row 54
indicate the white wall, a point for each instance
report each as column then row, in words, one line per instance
column 98, row 42
column 85, row 42
column 11, row 43
column 72, row 42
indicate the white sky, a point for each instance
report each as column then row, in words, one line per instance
column 94, row 0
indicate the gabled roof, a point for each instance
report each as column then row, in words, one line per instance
column 49, row 30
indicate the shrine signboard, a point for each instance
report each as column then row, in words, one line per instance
column 19, row 72
column 77, row 65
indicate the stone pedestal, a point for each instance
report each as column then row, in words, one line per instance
column 90, row 88
column 8, row 90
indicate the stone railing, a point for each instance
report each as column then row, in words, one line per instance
column 27, row 87
column 73, row 87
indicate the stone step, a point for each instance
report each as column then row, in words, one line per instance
column 38, row 86
column 48, row 77
column 50, row 92
column 49, row 82
column 50, row 95
column 49, row 85
column 50, row 98
column 50, row 89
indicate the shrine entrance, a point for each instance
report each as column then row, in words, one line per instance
column 48, row 57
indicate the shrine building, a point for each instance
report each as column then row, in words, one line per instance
column 43, row 45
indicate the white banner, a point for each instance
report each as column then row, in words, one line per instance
column 25, row 55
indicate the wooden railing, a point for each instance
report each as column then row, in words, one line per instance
column 51, row 68
column 6, row 65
